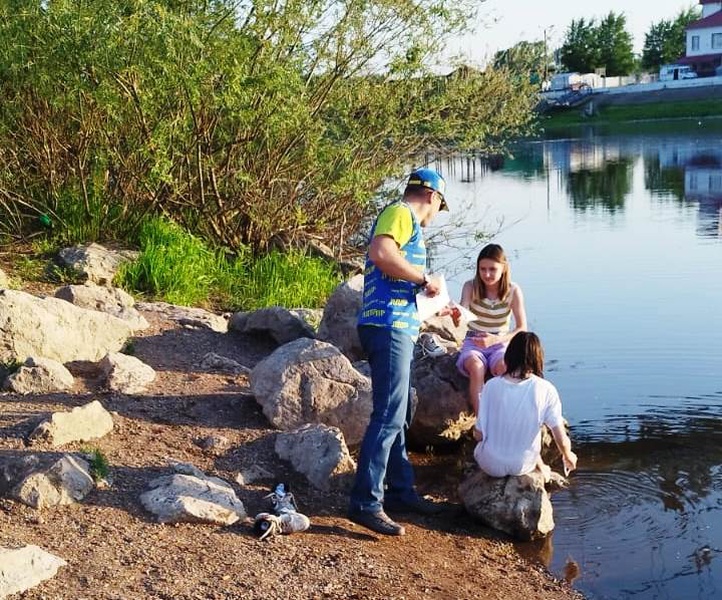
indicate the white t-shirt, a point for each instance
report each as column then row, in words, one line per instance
column 510, row 418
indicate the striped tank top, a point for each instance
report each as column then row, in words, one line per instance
column 492, row 316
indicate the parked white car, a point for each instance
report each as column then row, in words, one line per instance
column 675, row 72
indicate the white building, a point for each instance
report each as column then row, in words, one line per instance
column 704, row 40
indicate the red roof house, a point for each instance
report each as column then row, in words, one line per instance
column 704, row 40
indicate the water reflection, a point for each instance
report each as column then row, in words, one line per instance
column 696, row 168
column 598, row 173
column 606, row 186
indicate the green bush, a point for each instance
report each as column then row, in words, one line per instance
column 243, row 122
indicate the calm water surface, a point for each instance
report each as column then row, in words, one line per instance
column 616, row 241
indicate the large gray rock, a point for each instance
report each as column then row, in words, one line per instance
column 40, row 376
column 24, row 568
column 193, row 498
column 94, row 262
column 319, row 452
column 281, row 324
column 517, row 505
column 443, row 399
column 308, row 381
column 340, row 315
column 53, row 328
column 82, row 424
column 40, row 485
column 186, row 316
column 111, row 300
column 126, row 374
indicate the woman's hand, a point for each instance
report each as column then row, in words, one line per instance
column 570, row 462
column 453, row 311
column 485, row 340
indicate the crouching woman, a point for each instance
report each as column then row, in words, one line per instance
column 512, row 409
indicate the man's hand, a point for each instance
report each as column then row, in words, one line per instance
column 432, row 287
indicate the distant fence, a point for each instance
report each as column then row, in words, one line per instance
column 661, row 85
column 625, row 85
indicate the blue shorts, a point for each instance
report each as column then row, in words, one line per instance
column 489, row 356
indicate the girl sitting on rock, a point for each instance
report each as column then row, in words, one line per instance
column 493, row 299
column 512, row 409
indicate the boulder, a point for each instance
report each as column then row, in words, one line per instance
column 111, row 300
column 516, row 505
column 215, row 362
column 193, row 498
column 55, row 329
column 126, row 374
column 32, row 481
column 308, row 381
column 186, row 316
column 94, row 262
column 319, row 452
column 442, row 402
column 280, row 324
column 82, row 424
column 24, row 568
column 40, row 376
column 340, row 315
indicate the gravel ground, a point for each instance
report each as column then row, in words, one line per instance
column 115, row 549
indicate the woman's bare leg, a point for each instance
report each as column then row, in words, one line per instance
column 476, row 370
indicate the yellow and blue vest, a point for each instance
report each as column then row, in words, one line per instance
column 387, row 301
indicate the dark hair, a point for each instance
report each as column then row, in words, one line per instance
column 417, row 191
column 524, row 355
column 496, row 253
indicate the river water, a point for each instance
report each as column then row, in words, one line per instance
column 616, row 241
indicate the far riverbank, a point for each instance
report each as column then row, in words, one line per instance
column 606, row 109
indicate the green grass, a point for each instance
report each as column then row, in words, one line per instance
column 173, row 264
column 293, row 280
column 99, row 466
column 180, row 268
column 634, row 112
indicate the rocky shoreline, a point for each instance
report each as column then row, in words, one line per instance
column 198, row 423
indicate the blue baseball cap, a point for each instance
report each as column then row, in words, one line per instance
column 432, row 180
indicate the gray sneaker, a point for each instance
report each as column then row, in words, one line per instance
column 267, row 525
column 430, row 346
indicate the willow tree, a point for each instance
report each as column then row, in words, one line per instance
column 243, row 120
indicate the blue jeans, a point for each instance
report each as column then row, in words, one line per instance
column 383, row 450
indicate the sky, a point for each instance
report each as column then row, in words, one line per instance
column 503, row 23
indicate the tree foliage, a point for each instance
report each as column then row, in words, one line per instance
column 666, row 40
column 524, row 58
column 588, row 46
column 579, row 51
column 616, row 52
column 245, row 122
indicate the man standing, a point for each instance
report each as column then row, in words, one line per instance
column 388, row 327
